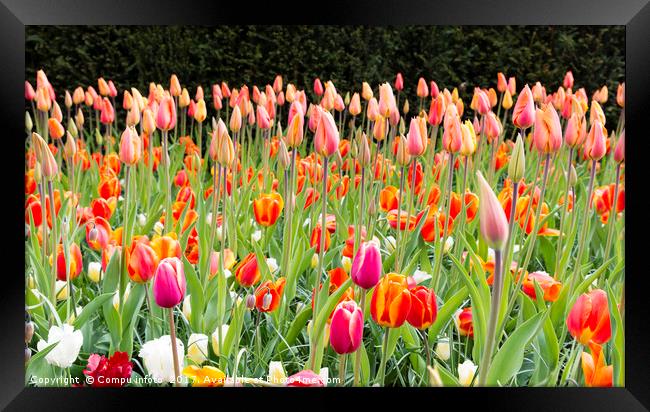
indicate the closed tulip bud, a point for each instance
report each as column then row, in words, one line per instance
column 199, row 93
column 406, row 107
column 70, row 147
column 263, row 118
column 452, row 137
column 130, row 146
column 55, row 128
column 417, row 136
column 422, row 89
column 318, row 87
column 49, row 167
column 492, row 126
column 620, row 95
column 402, row 158
column 79, row 119
column 89, row 99
column 346, row 327
column 363, row 150
column 166, row 115
column 443, row 350
column 366, row 91
column 112, row 90
column 283, row 155
column 235, row 120
column 201, row 111
column 402, row 126
column 595, row 145
column 67, row 99
column 568, row 80
column 28, row 123
column 523, row 115
column 326, row 139
column 226, row 151
column 492, row 218
column 184, row 99
column 98, row 137
column 102, row 86
column 355, row 105
column 169, row 283
column 547, row 134
column 619, row 152
column 379, row 128
column 56, row 112
column 174, row 86
column 539, row 92
column 437, row 110
column 596, row 113
column 127, row 100
column 372, row 110
column 29, row 331
column 502, row 83
column 366, row 265
column 572, row 133
column 399, row 82
column 339, row 105
column 482, row 101
column 433, row 89
column 507, row 100
column 468, row 146
column 517, row 164
column 148, row 121
column 107, row 115
column 30, row 94
column 94, row 269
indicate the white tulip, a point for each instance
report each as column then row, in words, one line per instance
column 466, row 372
column 256, row 236
column 276, row 373
column 66, row 351
column 346, row 262
column 421, row 276
column 215, row 338
column 187, row 308
column 443, row 350
column 197, row 348
column 272, row 264
column 158, row 359
column 94, row 271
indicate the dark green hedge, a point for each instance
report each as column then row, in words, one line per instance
column 134, row 56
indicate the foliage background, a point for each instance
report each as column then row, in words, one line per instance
column 452, row 56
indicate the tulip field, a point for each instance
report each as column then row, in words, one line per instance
column 301, row 235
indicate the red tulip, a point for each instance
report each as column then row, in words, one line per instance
column 588, row 320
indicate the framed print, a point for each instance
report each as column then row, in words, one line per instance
column 408, row 200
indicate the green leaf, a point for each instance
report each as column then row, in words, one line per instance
column 91, row 308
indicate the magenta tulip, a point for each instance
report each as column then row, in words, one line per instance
column 326, row 139
column 366, row 266
column 346, row 329
column 169, row 283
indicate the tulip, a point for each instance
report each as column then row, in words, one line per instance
column 595, row 145
column 247, row 272
column 268, row 295
column 423, row 308
column 619, row 152
column 572, row 133
column 346, row 328
column 166, row 115
column 463, row 322
column 305, row 378
column 502, row 84
column 267, row 208
column 468, row 145
column 130, row 147
column 55, row 128
column 366, row 266
column 326, row 139
column 452, row 137
column 391, row 301
column 492, row 126
column 493, row 222
column 65, row 270
column 568, row 80
column 235, row 120
column 107, row 115
column 517, row 164
column 169, row 282
column 523, row 115
column 588, row 321
column 550, row 287
column 366, row 91
column 94, row 271
column 43, row 100
column 201, row 111
column 466, row 372
column 399, row 82
column 422, row 89
column 402, row 157
column 49, row 167
column 30, row 94
column 597, row 372
column 482, row 101
column 296, row 126
column 355, row 105
column 142, row 262
column 620, row 95
column 416, row 143
column 547, row 135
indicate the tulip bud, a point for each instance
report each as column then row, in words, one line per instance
column 595, row 145
column 250, row 302
column 235, row 120
column 494, row 225
column 29, row 331
column 79, row 119
column 619, row 152
column 363, row 155
column 72, row 129
column 402, row 158
column 99, row 139
column 366, row 91
column 49, row 167
column 523, row 115
column 517, row 165
column 573, row 176
column 283, row 155
column 55, row 128
column 130, row 146
column 70, row 147
column 28, row 123
column 28, row 354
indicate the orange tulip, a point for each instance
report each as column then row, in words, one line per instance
column 247, row 273
column 428, row 231
column 596, row 371
column 267, row 208
column 55, row 128
column 268, row 295
column 389, row 198
column 142, row 260
column 471, row 205
column 550, row 286
column 603, row 200
column 316, row 239
column 76, row 263
column 588, row 320
column 166, row 246
column 391, row 301
column 464, row 324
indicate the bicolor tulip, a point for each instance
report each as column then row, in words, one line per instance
column 107, row 115
column 416, row 142
column 76, row 262
column 142, row 261
column 422, row 89
column 346, row 327
column 597, row 373
column 595, row 145
column 166, row 115
column 247, row 272
column 169, row 283
column 267, row 208
column 326, row 139
column 130, row 146
column 366, row 265
column 391, row 301
column 493, row 222
column 523, row 115
column 547, row 134
column 268, row 295
column 550, row 287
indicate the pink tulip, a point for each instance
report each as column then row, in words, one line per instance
column 29, row 91
column 225, row 91
column 263, row 118
column 387, row 102
column 568, row 80
column 399, row 82
column 169, row 283
column 492, row 126
column 355, row 105
column 512, row 86
column 547, row 134
column 108, row 114
column 619, row 152
column 166, row 116
column 346, row 329
column 482, row 101
column 523, row 115
column 305, row 378
column 318, row 87
column 366, row 266
column 434, row 89
column 199, row 93
column 326, row 139
column 373, row 109
column 452, row 137
column 130, row 146
column 595, row 147
column 216, row 92
column 281, row 99
column 494, row 225
column 112, row 91
column 339, row 105
column 416, row 140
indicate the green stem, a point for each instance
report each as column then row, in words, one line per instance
column 563, row 216
column 384, row 356
column 357, row 355
column 612, row 214
column 172, row 332
column 490, row 342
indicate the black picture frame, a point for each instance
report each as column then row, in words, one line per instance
column 634, row 14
